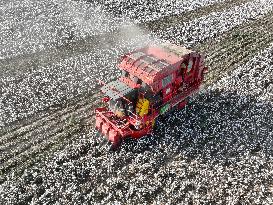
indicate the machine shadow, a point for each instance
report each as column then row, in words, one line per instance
column 215, row 125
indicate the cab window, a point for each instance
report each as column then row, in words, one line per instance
column 124, row 73
column 166, row 81
column 190, row 64
column 183, row 65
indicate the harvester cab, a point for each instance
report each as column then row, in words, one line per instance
column 154, row 80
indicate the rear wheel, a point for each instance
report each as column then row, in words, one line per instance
column 99, row 139
column 156, row 122
column 116, row 145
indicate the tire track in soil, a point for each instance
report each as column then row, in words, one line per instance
column 16, row 146
column 236, row 47
column 24, row 129
column 13, row 134
column 56, row 131
column 73, row 48
column 174, row 20
column 23, row 126
column 230, row 41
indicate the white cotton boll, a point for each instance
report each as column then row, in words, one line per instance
column 216, row 23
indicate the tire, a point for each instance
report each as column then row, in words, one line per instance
column 116, row 145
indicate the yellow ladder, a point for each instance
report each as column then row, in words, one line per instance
column 142, row 107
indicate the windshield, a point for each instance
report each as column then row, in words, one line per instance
column 121, row 107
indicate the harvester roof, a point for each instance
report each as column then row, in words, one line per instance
column 154, row 62
column 116, row 89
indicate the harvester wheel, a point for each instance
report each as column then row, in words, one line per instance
column 98, row 134
column 116, row 145
column 156, row 124
column 153, row 123
column 97, row 138
column 100, row 140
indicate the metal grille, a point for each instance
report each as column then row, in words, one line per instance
column 116, row 89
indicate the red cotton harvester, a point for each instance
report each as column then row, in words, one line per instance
column 155, row 80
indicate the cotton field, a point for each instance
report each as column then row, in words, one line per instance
column 217, row 150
